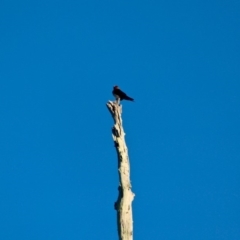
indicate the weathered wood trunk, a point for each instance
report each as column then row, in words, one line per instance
column 123, row 205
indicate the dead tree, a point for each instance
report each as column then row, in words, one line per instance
column 123, row 205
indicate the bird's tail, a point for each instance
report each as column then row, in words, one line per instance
column 129, row 98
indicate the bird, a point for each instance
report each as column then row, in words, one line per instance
column 120, row 95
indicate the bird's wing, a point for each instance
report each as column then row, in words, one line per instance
column 121, row 93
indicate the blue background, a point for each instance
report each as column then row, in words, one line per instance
column 58, row 169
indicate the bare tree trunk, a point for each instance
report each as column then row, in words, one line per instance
column 123, row 205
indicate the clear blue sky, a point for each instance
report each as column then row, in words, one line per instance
column 58, row 170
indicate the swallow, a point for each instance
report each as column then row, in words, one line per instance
column 120, row 95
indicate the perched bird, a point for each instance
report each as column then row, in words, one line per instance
column 120, row 95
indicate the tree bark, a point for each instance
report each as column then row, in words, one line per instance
column 123, row 205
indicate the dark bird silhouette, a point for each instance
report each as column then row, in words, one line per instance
column 120, row 95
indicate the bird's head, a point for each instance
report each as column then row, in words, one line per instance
column 115, row 87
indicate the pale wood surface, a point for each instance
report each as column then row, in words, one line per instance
column 123, row 204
